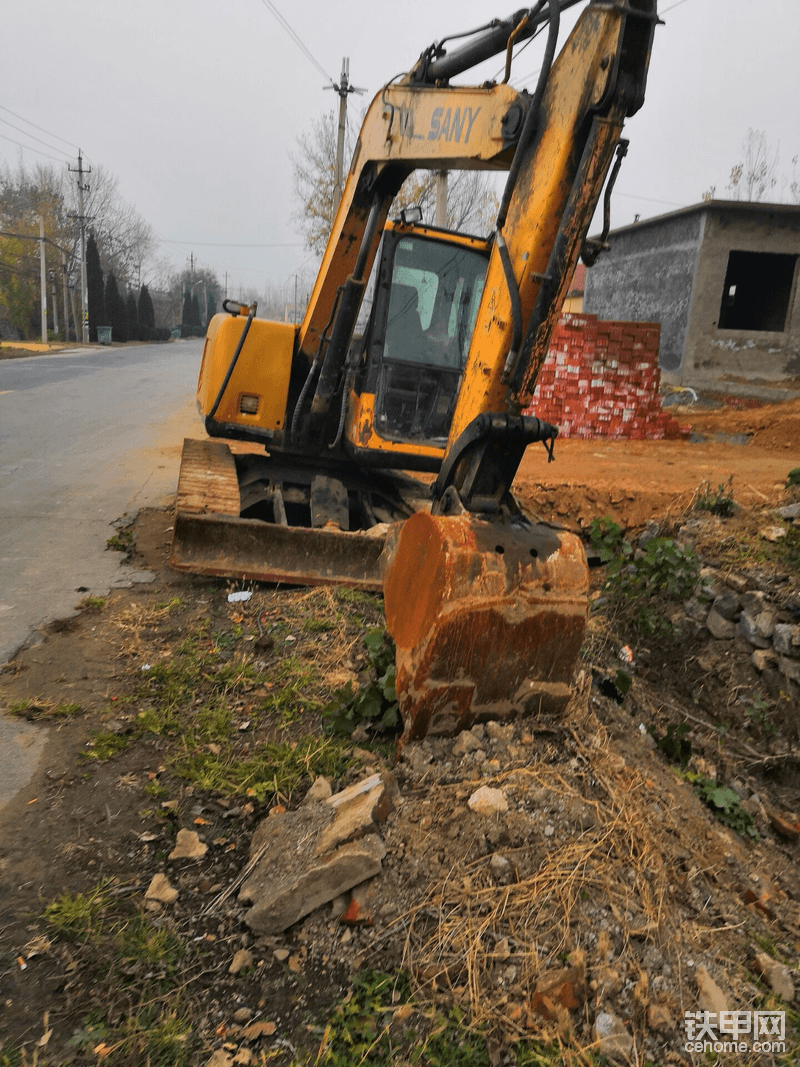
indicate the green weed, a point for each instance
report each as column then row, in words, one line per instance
column 79, row 917
column 758, row 713
column 121, row 542
column 725, row 804
column 793, row 477
column 719, row 501
column 138, row 940
column 104, row 746
column 360, row 1031
column 635, row 582
column 93, row 603
column 168, row 605
column 374, row 705
column 41, row 708
column 675, row 744
column 272, row 768
column 608, row 541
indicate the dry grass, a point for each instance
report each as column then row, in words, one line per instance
column 518, row 955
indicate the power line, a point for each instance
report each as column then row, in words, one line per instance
column 649, row 199
column 39, row 128
column 229, row 244
column 30, row 148
column 671, row 8
column 268, row 4
column 32, row 137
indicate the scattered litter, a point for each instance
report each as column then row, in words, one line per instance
column 626, row 654
column 146, row 667
column 234, row 598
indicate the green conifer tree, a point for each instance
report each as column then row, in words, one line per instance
column 115, row 310
column 147, row 314
column 134, row 327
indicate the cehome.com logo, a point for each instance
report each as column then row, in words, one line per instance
column 724, row 1031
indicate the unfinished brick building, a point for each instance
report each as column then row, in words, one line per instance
column 721, row 279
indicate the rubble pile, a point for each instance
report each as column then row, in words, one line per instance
column 554, row 878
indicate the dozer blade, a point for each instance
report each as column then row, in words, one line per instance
column 211, row 538
column 488, row 619
column 226, row 546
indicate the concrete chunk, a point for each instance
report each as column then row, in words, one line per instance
column 282, row 898
column 305, row 858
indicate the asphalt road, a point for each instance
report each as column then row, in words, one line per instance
column 86, row 438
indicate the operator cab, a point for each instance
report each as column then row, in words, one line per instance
column 427, row 291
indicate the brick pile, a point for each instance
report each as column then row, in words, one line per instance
column 602, row 379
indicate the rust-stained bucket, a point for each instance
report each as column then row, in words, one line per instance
column 488, row 619
column 225, row 546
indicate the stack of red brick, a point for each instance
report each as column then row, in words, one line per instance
column 602, row 379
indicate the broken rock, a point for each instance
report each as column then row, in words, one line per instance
column 188, row 846
column 488, row 801
column 307, row 858
column 161, row 891
column 777, row 976
column 612, row 1037
column 709, row 995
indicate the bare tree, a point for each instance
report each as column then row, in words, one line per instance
column 471, row 199
column 756, row 174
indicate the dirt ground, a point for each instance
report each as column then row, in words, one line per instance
column 607, row 891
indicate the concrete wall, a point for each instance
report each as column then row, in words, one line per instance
column 741, row 357
column 648, row 276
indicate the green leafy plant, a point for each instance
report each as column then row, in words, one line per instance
column 121, row 542
column 608, row 541
column 725, row 803
column 719, row 501
column 360, row 1031
column 375, row 704
column 665, row 569
column 793, row 477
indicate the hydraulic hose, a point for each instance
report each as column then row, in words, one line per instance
column 526, row 137
column 232, row 365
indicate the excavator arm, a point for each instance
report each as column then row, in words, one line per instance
column 556, row 145
column 488, row 609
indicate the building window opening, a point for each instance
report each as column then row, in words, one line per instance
column 757, row 291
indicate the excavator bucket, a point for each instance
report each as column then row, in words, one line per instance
column 210, row 537
column 488, row 619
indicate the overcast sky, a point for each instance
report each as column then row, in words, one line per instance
column 195, row 105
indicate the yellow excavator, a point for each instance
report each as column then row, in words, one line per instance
column 419, row 352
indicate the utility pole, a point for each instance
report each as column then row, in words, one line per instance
column 43, row 272
column 343, row 90
column 84, row 295
column 440, row 218
column 64, row 283
column 52, row 274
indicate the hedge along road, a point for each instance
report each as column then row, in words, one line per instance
column 86, row 437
